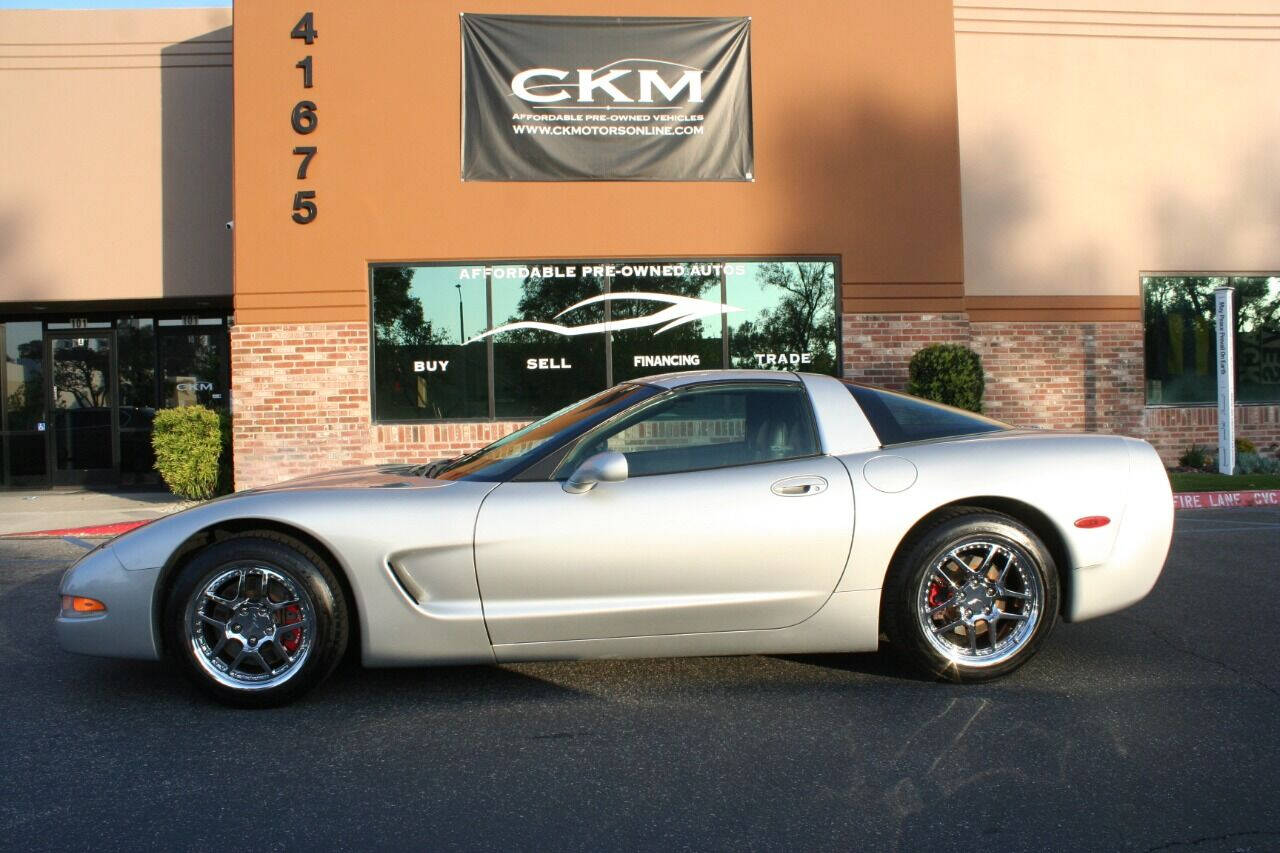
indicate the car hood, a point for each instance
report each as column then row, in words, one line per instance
column 352, row 501
column 398, row 476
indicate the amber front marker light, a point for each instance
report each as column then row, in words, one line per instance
column 80, row 604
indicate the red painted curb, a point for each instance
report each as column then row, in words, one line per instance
column 98, row 530
column 1222, row 500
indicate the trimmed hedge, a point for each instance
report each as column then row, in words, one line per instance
column 947, row 373
column 192, row 447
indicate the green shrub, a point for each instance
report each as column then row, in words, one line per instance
column 1197, row 456
column 947, row 373
column 190, row 443
column 1253, row 463
column 1244, row 445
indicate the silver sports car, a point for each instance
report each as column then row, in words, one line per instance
column 709, row 513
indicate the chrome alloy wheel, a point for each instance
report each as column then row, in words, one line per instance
column 979, row 604
column 251, row 627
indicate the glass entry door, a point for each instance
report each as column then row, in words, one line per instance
column 83, row 406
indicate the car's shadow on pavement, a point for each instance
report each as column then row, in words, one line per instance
column 595, row 681
column 145, row 683
column 444, row 686
column 148, row 686
column 881, row 664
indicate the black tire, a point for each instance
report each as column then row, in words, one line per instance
column 296, row 588
column 953, row 547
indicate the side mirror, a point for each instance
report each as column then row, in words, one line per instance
column 607, row 467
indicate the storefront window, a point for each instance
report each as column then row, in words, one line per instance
column 136, row 364
column 78, row 395
column 519, row 340
column 136, row 342
column 788, row 317
column 1178, row 315
column 24, row 390
column 422, row 319
column 24, row 375
column 192, row 368
column 538, row 370
column 695, row 344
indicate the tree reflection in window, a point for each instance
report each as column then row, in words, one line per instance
column 1180, row 352
column 400, row 331
column 698, row 343
column 136, row 345
column 537, row 371
column 790, row 322
column 80, row 372
column 24, row 362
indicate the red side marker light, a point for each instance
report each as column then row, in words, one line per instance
column 1090, row 521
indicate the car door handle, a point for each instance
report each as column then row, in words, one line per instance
column 798, row 486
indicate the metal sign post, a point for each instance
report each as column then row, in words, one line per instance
column 1223, row 299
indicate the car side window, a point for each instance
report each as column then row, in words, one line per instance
column 899, row 418
column 712, row 426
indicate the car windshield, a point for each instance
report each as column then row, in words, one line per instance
column 512, row 453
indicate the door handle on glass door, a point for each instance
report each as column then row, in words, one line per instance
column 799, row 486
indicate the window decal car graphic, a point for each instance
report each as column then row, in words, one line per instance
column 683, row 309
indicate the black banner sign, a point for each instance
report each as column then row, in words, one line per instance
column 606, row 99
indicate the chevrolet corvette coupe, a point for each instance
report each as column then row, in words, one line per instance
column 705, row 513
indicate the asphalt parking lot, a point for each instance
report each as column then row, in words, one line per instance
column 1152, row 729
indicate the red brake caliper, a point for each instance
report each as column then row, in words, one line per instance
column 935, row 594
column 290, row 639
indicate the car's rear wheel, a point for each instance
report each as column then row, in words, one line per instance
column 971, row 597
column 257, row 619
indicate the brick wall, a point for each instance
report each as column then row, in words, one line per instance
column 1172, row 430
column 1050, row 375
column 300, row 404
column 1063, row 375
column 878, row 347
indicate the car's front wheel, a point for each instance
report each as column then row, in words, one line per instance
column 256, row 619
column 972, row 597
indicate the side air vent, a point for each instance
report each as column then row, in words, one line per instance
column 407, row 584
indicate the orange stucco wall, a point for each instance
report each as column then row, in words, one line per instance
column 855, row 137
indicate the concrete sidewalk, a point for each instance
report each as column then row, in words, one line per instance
column 52, row 509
